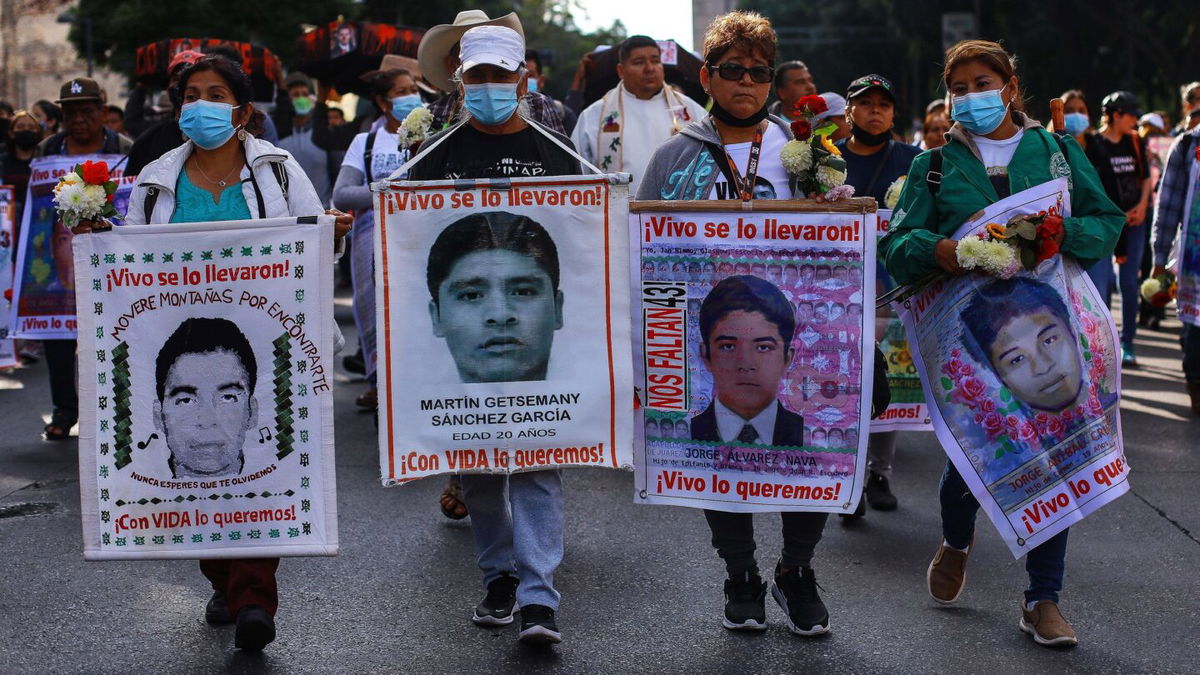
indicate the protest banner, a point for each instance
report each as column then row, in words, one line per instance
column 753, row 356
column 907, row 410
column 1187, row 263
column 206, row 427
column 1023, row 380
column 8, row 348
column 504, row 326
column 43, row 306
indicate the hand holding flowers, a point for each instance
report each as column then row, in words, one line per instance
column 811, row 157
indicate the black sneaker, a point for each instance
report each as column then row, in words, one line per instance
column 858, row 512
column 497, row 606
column 796, row 593
column 879, row 493
column 216, row 611
column 538, row 627
column 255, row 629
column 745, row 600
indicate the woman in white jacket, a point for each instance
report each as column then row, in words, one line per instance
column 223, row 173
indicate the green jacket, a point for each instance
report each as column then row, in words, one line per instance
column 921, row 220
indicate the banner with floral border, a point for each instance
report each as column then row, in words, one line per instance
column 1023, row 380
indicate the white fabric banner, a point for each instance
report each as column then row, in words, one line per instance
column 1024, row 384
column 503, row 326
column 205, row 374
column 754, row 356
column 907, row 410
column 8, row 349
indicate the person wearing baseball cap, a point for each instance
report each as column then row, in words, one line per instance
column 438, row 56
column 874, row 160
column 1121, row 159
column 517, row 520
column 835, row 111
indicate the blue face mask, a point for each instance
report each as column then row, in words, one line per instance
column 980, row 112
column 491, row 103
column 209, row 124
column 403, row 105
column 533, row 85
column 1075, row 123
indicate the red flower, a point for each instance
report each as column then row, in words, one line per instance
column 973, row 387
column 95, row 173
column 1026, row 432
column 987, row 405
column 8, row 294
column 1055, row 426
column 802, row 130
column 811, row 104
column 1050, row 227
column 993, row 424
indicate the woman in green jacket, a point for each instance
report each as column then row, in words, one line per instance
column 994, row 150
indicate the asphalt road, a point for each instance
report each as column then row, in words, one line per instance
column 641, row 586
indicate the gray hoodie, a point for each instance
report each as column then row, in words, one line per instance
column 684, row 167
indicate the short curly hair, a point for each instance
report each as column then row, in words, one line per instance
column 749, row 31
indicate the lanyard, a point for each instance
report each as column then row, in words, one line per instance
column 745, row 186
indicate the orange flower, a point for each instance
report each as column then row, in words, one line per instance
column 996, row 230
column 828, row 145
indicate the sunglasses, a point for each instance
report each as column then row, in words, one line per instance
column 734, row 72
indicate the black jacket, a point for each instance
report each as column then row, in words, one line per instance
column 789, row 427
column 555, row 160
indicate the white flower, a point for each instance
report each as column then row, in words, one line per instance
column 415, row 127
column 829, row 177
column 796, row 157
column 892, row 197
column 1150, row 288
column 94, row 198
column 993, row 257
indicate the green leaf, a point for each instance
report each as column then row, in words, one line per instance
column 836, row 163
column 1083, row 341
column 1005, row 394
column 1000, row 452
column 946, row 383
column 1028, row 259
column 1013, row 407
column 825, row 129
column 79, row 170
column 110, row 187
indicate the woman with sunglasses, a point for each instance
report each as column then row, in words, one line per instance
column 734, row 154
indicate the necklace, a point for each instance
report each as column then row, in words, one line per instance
column 219, row 183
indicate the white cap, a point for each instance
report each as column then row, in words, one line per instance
column 836, row 105
column 496, row 45
column 1153, row 119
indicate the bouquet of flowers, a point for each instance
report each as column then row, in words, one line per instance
column 1159, row 291
column 811, row 157
column 892, row 196
column 415, row 128
column 85, row 193
column 1000, row 250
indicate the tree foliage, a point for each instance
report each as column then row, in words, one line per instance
column 1149, row 47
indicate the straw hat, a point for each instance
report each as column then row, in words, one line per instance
column 439, row 40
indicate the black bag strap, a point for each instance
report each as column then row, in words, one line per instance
column 281, row 177
column 368, row 155
column 933, row 178
column 150, row 201
column 879, row 169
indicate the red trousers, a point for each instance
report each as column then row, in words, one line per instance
column 244, row 581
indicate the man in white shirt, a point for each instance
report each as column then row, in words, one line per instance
column 620, row 131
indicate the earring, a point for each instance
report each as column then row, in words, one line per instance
column 241, row 134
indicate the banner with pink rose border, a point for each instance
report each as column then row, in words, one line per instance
column 1022, row 377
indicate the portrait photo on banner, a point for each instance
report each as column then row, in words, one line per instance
column 498, row 334
column 769, row 384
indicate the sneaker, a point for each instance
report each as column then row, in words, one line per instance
column 796, row 593
column 1047, row 625
column 255, row 629
column 1193, row 390
column 745, row 603
column 879, row 493
column 538, row 627
column 216, row 612
column 498, row 605
column 1127, row 357
column 947, row 574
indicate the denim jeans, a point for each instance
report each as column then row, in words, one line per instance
column 1190, row 341
column 881, row 452
column 1044, row 564
column 733, row 537
column 518, row 530
column 1106, row 281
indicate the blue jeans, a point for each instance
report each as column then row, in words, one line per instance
column 518, row 533
column 1190, row 341
column 1044, row 564
column 1105, row 281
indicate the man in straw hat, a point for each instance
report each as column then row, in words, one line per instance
column 438, row 56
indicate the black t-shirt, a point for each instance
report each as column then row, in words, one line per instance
column 1122, row 168
column 861, row 168
column 474, row 154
